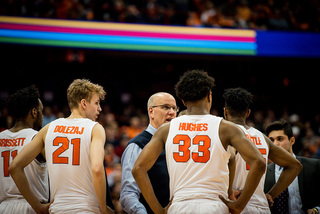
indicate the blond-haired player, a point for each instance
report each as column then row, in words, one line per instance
column 74, row 149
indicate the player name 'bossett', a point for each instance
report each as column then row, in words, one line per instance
column 193, row 126
column 11, row 142
column 69, row 129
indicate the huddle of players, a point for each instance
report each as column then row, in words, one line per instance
column 198, row 160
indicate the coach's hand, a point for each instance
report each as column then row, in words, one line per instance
column 233, row 208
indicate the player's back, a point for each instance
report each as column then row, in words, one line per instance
column 258, row 199
column 67, row 146
column 11, row 143
column 197, row 161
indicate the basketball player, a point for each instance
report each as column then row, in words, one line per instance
column 74, row 149
column 26, row 108
column 197, row 158
column 237, row 101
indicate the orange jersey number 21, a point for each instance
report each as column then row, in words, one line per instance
column 56, row 158
column 184, row 141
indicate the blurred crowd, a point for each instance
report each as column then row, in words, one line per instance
column 245, row 14
column 121, row 127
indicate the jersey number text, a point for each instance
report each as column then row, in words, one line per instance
column 64, row 141
column 264, row 153
column 6, row 160
column 184, row 141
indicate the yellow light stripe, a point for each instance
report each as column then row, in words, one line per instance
column 129, row 27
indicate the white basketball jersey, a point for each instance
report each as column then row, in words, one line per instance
column 258, row 198
column 67, row 146
column 11, row 143
column 197, row 161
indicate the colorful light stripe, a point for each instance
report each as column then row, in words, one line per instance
column 129, row 27
column 132, row 37
column 125, row 40
column 124, row 33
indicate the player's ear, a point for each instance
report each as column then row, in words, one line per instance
column 225, row 112
column 34, row 112
column 83, row 103
column 210, row 96
column 248, row 113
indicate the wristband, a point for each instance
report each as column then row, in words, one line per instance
column 315, row 209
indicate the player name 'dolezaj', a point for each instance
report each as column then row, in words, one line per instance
column 69, row 129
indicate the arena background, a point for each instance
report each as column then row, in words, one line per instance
column 284, row 87
column 279, row 83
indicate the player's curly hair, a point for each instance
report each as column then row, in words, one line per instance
column 194, row 85
column 237, row 100
column 21, row 102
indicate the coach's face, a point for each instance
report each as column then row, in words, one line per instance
column 279, row 138
column 163, row 110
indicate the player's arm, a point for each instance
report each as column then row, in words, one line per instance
column 16, row 169
column 98, row 138
column 230, row 134
column 145, row 161
column 291, row 167
column 232, row 171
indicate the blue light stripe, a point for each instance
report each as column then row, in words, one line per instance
column 127, row 40
column 289, row 44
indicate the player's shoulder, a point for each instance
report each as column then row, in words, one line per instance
column 225, row 125
column 256, row 131
column 31, row 131
column 24, row 133
column 164, row 127
column 4, row 132
column 97, row 127
column 227, row 128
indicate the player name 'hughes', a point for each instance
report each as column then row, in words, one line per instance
column 69, row 129
column 193, row 126
column 11, row 142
